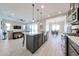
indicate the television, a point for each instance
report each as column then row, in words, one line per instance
column 17, row 27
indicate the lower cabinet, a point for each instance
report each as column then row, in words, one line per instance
column 64, row 44
column 40, row 40
column 72, row 52
column 33, row 42
column 73, row 48
column 29, row 43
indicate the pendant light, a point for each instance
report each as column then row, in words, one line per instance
column 38, row 16
column 41, row 15
column 33, row 13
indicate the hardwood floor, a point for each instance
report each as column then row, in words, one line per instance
column 52, row 47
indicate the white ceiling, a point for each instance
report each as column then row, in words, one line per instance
column 16, row 11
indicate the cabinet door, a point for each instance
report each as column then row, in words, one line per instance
column 29, row 43
column 46, row 37
column 36, row 42
column 40, row 40
column 72, row 52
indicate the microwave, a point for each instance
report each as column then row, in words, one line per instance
column 75, row 15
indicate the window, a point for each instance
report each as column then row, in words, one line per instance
column 7, row 26
column 47, row 27
column 55, row 27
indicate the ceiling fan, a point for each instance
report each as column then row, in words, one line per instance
column 22, row 20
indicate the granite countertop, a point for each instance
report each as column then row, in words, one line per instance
column 29, row 33
column 72, row 34
column 75, row 39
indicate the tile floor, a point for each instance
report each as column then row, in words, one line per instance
column 52, row 47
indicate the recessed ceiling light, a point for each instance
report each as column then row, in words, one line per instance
column 59, row 12
column 32, row 20
column 48, row 15
column 71, row 8
column 42, row 6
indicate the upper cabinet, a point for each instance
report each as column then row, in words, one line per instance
column 73, row 18
column 72, row 7
column 73, row 14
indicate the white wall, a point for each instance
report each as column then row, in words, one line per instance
column 15, row 30
column 0, row 28
column 15, row 23
column 60, row 20
column 1, row 32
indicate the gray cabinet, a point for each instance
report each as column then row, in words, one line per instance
column 73, row 48
column 72, row 52
column 33, row 42
column 40, row 40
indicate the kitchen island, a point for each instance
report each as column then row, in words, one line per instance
column 34, row 41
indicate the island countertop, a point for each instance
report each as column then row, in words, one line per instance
column 75, row 39
column 32, row 34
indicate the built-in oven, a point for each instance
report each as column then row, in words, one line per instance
column 74, row 16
